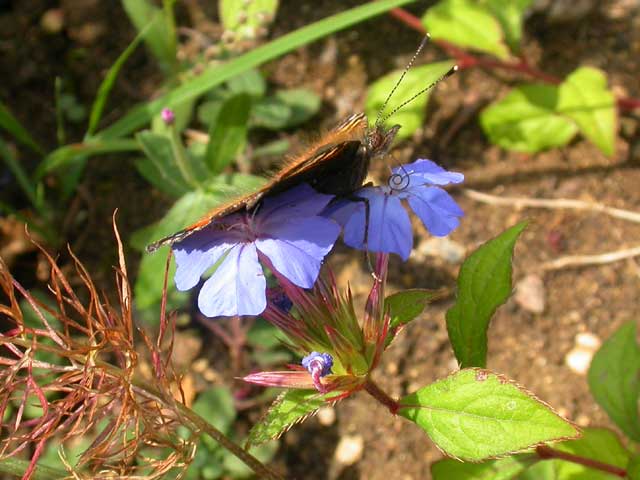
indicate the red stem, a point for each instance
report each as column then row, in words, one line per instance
column 376, row 392
column 468, row 60
column 546, row 453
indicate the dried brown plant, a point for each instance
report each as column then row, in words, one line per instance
column 94, row 386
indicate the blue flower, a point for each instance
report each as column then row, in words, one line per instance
column 389, row 227
column 287, row 234
column 319, row 365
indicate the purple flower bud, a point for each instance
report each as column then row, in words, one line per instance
column 319, row 365
column 168, row 117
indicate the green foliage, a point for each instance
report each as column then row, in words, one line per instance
column 245, row 18
column 595, row 443
column 614, row 379
column 468, row 24
column 584, row 98
column 633, row 468
column 218, row 74
column 405, row 306
column 526, row 120
column 291, row 407
column 211, row 460
column 502, row 469
column 228, row 132
column 475, row 414
column 484, row 283
column 285, row 109
column 9, row 123
column 148, row 18
column 412, row 116
column 510, row 15
column 107, row 84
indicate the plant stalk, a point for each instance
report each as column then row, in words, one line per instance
column 547, row 453
column 380, row 395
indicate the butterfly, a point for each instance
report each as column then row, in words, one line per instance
column 336, row 164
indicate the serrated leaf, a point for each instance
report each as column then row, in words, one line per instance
column 245, row 18
column 467, row 24
column 484, row 283
column 584, row 97
column 291, row 407
column 411, row 116
column 228, row 132
column 502, row 469
column 614, row 379
column 597, row 444
column 526, row 120
column 510, row 15
column 475, row 414
column 286, row 109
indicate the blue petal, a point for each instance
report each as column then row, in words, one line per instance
column 197, row 253
column 301, row 200
column 389, row 224
column 297, row 246
column 237, row 287
column 437, row 210
column 424, row 171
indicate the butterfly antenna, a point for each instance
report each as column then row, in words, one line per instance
column 451, row 71
column 395, row 87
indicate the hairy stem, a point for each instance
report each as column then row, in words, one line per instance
column 376, row 392
column 547, row 453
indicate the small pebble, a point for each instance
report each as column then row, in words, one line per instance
column 326, row 416
column 52, row 21
column 579, row 357
column 349, row 449
column 444, row 248
column 530, row 294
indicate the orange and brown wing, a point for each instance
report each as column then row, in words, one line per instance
column 342, row 141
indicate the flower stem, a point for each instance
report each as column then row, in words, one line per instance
column 376, row 392
column 546, row 453
column 468, row 60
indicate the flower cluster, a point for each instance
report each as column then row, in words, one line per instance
column 289, row 235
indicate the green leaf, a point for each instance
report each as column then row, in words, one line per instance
column 526, row 120
column 614, row 379
column 15, row 128
column 502, row 469
column 217, row 407
column 584, row 97
column 291, row 407
column 633, row 468
column 597, row 444
column 228, row 132
column 250, row 82
column 484, row 283
column 107, row 84
column 286, row 109
column 21, row 176
column 77, row 153
column 148, row 18
column 466, row 24
column 411, row 116
column 510, row 14
column 216, row 74
column 245, row 18
column 475, row 414
column 405, row 306
column 159, row 166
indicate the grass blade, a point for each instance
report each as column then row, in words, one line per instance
column 15, row 128
column 216, row 75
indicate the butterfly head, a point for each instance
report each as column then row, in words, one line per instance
column 378, row 139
